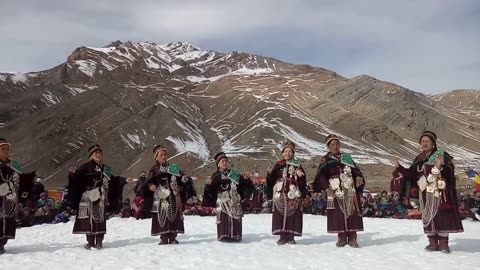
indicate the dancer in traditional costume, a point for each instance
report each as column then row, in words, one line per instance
column 15, row 188
column 434, row 173
column 165, row 188
column 223, row 191
column 93, row 191
column 287, row 187
column 343, row 181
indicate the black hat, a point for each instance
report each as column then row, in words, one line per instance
column 157, row 150
column 288, row 144
column 94, row 148
column 331, row 138
column 4, row 141
column 429, row 134
column 219, row 156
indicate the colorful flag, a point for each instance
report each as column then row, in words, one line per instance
column 477, row 179
column 477, row 182
column 471, row 174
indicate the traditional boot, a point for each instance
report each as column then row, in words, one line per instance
column 163, row 239
column 236, row 240
column 172, row 240
column 3, row 242
column 90, row 241
column 99, row 241
column 342, row 240
column 283, row 240
column 290, row 239
column 352, row 239
column 443, row 245
column 433, row 243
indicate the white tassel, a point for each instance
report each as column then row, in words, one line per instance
column 330, row 203
column 429, row 208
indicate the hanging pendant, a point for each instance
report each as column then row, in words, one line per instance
column 278, row 186
column 431, row 178
column 291, row 170
column 11, row 196
column 93, row 195
column 422, row 183
column 441, row 184
column 4, row 189
column 334, row 183
column 165, row 205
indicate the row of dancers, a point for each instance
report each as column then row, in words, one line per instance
column 94, row 189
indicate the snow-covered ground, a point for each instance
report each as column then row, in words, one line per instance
column 386, row 244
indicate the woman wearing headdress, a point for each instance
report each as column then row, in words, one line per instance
column 92, row 192
column 287, row 186
column 165, row 197
column 434, row 173
column 343, row 181
column 15, row 188
column 224, row 190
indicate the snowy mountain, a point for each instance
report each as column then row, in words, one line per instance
column 130, row 96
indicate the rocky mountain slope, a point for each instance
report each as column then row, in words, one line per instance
column 129, row 96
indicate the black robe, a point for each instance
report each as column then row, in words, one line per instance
column 330, row 167
column 447, row 218
column 168, row 220
column 229, row 223
column 88, row 177
column 258, row 197
column 288, row 220
column 18, row 191
column 140, row 186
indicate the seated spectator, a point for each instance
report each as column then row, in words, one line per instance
column 474, row 205
column 367, row 208
column 43, row 215
column 414, row 212
column 414, row 193
column 266, row 207
column 126, row 211
column 307, row 205
column 384, row 209
column 44, row 200
column 398, row 210
column 25, row 216
column 137, row 207
column 63, row 217
column 319, row 203
column 462, row 211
